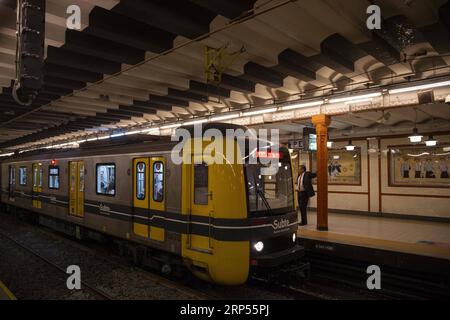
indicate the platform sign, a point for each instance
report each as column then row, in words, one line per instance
column 296, row 144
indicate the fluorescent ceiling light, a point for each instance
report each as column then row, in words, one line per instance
column 188, row 123
column 355, row 98
column 420, row 87
column 171, row 126
column 6, row 154
column 359, row 101
column 150, row 130
column 225, row 117
column 132, row 132
column 117, row 135
column 92, row 139
column 302, row 105
column 104, row 137
column 81, row 141
column 261, row 111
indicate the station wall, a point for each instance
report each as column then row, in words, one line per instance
column 375, row 195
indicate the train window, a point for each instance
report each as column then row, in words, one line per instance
column 53, row 177
column 106, row 179
column 158, row 181
column 12, row 175
column 23, row 176
column 140, row 180
column 41, row 175
column 35, row 170
column 201, row 184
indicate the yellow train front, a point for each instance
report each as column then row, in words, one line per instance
column 242, row 213
column 220, row 219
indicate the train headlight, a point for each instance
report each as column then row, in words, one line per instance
column 259, row 246
column 294, row 237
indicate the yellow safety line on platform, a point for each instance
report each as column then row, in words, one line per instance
column 7, row 292
column 397, row 246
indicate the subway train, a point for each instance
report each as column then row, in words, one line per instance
column 219, row 221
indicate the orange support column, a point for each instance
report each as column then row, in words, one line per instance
column 321, row 122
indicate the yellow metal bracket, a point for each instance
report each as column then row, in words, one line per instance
column 217, row 60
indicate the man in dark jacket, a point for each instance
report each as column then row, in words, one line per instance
column 305, row 191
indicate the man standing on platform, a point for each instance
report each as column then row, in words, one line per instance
column 305, row 191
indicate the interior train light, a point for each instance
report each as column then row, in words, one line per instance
column 329, row 144
column 302, row 105
column 257, row 112
column 420, row 87
column 431, row 142
column 259, row 246
column 294, row 237
column 415, row 137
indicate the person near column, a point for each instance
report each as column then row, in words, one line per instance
column 305, row 191
column 429, row 170
column 417, row 168
column 444, row 169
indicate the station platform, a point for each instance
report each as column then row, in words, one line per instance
column 5, row 294
column 400, row 243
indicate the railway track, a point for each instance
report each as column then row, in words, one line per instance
column 53, row 242
column 93, row 291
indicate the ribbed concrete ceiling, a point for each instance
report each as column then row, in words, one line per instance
column 301, row 46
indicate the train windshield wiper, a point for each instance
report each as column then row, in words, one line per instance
column 264, row 199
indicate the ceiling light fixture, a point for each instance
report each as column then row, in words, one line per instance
column 132, row 132
column 194, row 122
column 415, row 137
column 420, row 87
column 359, row 101
column 431, row 142
column 350, row 146
column 356, row 98
column 257, row 112
column 224, row 117
column 155, row 129
column 171, row 126
column 301, row 105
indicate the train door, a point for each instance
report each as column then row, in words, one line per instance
column 201, row 202
column 149, row 197
column 37, row 184
column 12, row 181
column 141, row 202
column 76, row 188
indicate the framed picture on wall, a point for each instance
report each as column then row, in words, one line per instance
column 413, row 166
column 344, row 167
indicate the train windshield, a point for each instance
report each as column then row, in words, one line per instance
column 269, row 188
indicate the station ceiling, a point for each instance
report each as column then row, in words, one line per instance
column 137, row 61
